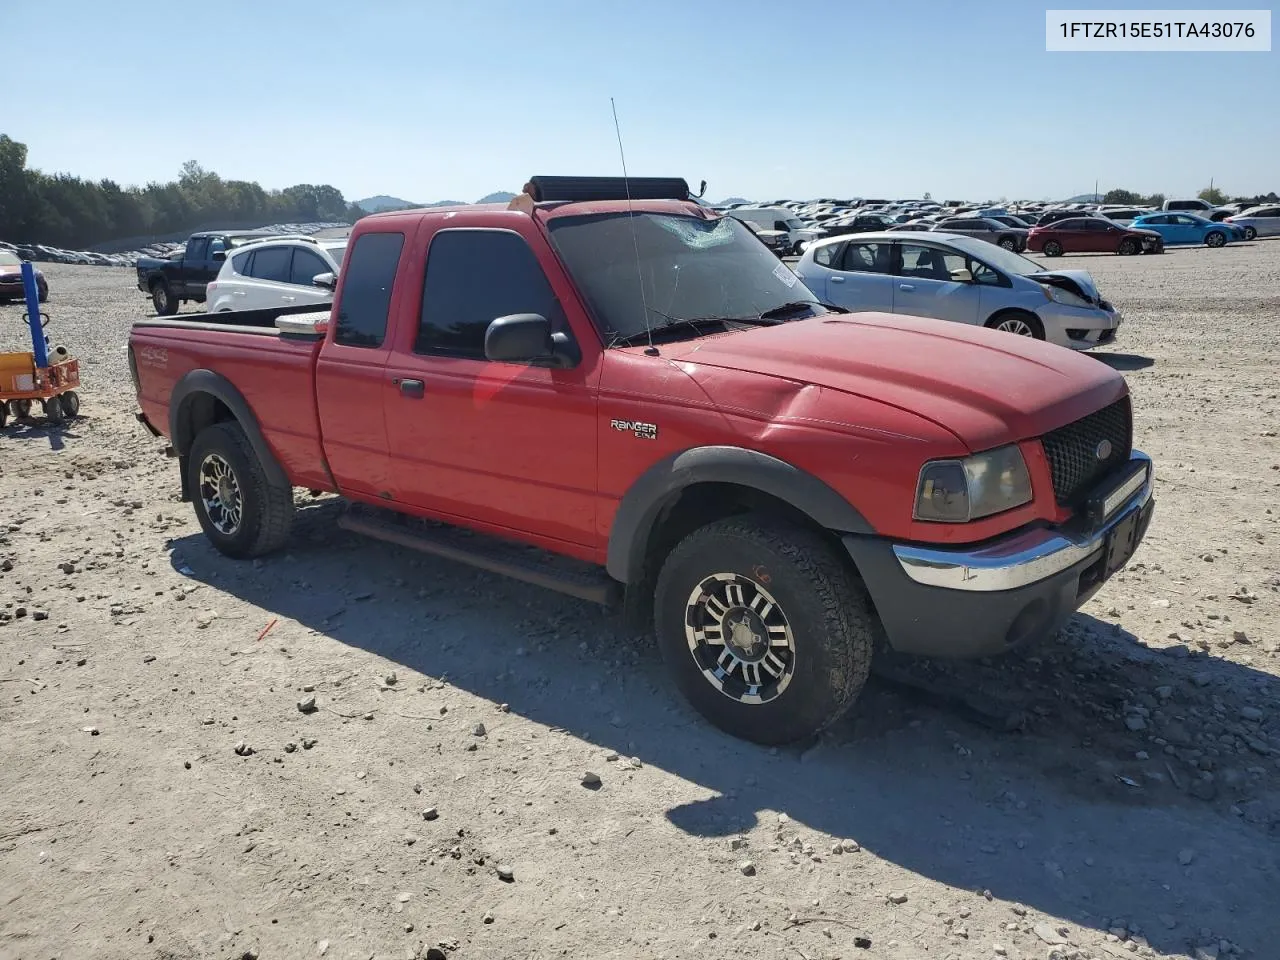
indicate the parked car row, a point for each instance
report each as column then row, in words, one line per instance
column 1092, row 227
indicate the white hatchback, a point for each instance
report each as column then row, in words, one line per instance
column 276, row 272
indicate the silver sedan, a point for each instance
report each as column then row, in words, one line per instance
column 953, row 277
column 1258, row 222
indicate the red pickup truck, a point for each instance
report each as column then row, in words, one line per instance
column 632, row 400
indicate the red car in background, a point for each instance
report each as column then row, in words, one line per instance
column 11, row 279
column 1092, row 235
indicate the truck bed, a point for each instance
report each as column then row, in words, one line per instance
column 272, row 370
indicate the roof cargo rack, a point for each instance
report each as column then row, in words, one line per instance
column 608, row 188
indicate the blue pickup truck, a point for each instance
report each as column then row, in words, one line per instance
column 186, row 273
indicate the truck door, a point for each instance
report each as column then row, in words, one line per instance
column 194, row 267
column 507, row 446
column 352, row 363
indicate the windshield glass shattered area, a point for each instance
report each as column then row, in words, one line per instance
column 690, row 269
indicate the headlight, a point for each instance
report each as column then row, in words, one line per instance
column 956, row 491
column 1059, row 295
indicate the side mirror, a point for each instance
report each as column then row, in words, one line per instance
column 219, row 255
column 527, row 338
column 327, row 280
column 962, row 275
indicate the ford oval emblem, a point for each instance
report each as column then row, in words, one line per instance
column 1102, row 450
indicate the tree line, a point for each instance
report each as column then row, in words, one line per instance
column 65, row 211
column 1211, row 194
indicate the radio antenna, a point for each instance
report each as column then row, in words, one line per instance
column 631, row 215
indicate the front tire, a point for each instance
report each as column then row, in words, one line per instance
column 1127, row 248
column 764, row 628
column 1019, row 323
column 1215, row 239
column 54, row 411
column 1052, row 248
column 240, row 510
column 71, row 404
column 163, row 299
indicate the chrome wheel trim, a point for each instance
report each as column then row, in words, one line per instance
column 1216, row 240
column 1016, row 326
column 160, row 297
column 1007, row 244
column 220, row 494
column 740, row 638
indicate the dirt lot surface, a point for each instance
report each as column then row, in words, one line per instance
column 1113, row 793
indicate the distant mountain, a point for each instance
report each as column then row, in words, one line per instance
column 731, row 200
column 383, row 202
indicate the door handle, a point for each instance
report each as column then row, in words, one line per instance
column 414, row 389
column 837, row 279
column 237, row 293
column 289, row 299
column 906, row 286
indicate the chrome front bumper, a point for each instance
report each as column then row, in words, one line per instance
column 1028, row 556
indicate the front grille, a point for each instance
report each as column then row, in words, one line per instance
column 1072, row 451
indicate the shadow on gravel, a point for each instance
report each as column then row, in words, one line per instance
column 36, row 428
column 1124, row 361
column 1018, row 776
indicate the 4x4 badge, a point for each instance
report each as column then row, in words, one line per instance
column 645, row 431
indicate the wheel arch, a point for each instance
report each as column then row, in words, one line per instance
column 667, row 497
column 202, row 398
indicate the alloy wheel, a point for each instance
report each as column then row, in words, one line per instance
column 1016, row 326
column 740, row 638
column 220, row 495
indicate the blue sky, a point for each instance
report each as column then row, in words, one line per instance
column 428, row 100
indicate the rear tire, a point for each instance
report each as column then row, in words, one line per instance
column 71, row 404
column 1008, row 243
column 764, row 628
column 240, row 510
column 1215, row 239
column 163, row 299
column 1052, row 248
column 21, row 409
column 1250, row 233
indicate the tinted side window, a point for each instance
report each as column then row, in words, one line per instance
column 271, row 263
column 368, row 275
column 473, row 277
column 197, row 248
column 305, row 266
column 243, row 263
column 866, row 257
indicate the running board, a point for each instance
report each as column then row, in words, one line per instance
column 518, row 561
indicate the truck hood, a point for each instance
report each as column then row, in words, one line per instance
column 986, row 388
column 1078, row 282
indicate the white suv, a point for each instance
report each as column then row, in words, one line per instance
column 276, row 272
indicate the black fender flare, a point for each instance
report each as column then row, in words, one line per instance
column 662, row 482
column 201, row 381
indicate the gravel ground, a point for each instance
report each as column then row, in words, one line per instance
column 1115, row 792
